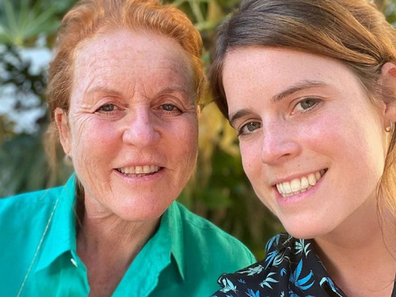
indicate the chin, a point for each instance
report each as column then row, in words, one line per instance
column 145, row 213
column 305, row 231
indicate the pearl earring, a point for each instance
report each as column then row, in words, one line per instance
column 390, row 127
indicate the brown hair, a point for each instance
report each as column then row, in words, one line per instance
column 351, row 31
column 91, row 17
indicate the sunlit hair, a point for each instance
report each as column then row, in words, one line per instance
column 351, row 31
column 89, row 18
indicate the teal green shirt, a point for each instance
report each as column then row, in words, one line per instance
column 38, row 251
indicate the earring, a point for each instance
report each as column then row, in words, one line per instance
column 390, row 127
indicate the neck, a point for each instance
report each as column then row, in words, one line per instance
column 100, row 235
column 360, row 254
column 108, row 241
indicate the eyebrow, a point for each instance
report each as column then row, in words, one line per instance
column 104, row 90
column 239, row 114
column 299, row 86
column 174, row 89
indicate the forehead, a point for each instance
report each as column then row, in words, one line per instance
column 124, row 56
column 269, row 71
column 281, row 63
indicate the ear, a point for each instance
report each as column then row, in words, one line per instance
column 387, row 82
column 62, row 123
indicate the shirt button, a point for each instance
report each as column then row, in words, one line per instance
column 73, row 262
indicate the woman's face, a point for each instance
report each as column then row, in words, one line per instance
column 132, row 126
column 312, row 144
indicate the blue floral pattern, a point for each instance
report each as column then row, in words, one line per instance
column 290, row 269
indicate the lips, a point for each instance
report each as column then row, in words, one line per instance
column 299, row 185
column 139, row 170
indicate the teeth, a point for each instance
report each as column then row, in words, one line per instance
column 304, row 183
column 299, row 185
column 295, row 185
column 139, row 170
column 287, row 188
column 281, row 188
column 312, row 179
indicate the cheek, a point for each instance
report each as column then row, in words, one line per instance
column 254, row 169
column 188, row 139
column 251, row 161
column 353, row 145
column 180, row 145
column 93, row 138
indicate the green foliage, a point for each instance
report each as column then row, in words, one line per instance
column 16, row 75
column 22, row 21
column 388, row 7
column 24, row 166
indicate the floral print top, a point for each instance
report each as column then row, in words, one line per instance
column 290, row 269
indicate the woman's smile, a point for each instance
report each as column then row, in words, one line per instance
column 139, row 171
column 299, row 185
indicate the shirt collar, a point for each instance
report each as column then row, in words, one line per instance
column 172, row 227
column 304, row 253
column 61, row 234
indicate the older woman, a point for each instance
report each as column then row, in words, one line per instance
column 122, row 91
column 310, row 87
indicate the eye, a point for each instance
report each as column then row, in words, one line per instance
column 249, row 128
column 306, row 104
column 169, row 107
column 106, row 108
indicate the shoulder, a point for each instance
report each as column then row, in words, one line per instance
column 22, row 215
column 205, row 251
column 28, row 201
column 22, row 221
column 205, row 234
column 271, row 276
column 208, row 251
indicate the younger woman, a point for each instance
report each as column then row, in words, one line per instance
column 309, row 85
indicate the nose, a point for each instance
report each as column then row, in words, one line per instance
column 141, row 129
column 279, row 144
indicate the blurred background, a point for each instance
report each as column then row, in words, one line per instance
column 218, row 191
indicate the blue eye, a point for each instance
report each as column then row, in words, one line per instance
column 249, row 128
column 169, row 107
column 107, row 108
column 306, row 104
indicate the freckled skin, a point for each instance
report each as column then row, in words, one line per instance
column 342, row 132
column 138, row 73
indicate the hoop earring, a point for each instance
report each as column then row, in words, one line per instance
column 390, row 127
